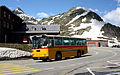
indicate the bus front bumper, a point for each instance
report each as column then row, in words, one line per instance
column 40, row 58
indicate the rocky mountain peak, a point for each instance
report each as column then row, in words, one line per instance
column 18, row 11
column 78, row 8
column 111, row 31
column 26, row 18
column 73, row 16
column 75, row 21
column 84, row 12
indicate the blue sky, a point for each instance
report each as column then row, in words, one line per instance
column 37, row 8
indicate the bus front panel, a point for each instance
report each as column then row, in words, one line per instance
column 39, row 54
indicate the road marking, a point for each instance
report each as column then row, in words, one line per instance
column 90, row 71
column 9, row 68
column 113, row 73
column 110, row 62
column 113, row 63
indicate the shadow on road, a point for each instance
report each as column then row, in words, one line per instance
column 68, row 58
column 86, row 55
column 86, row 73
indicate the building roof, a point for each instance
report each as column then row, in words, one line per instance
column 43, row 27
column 40, row 29
column 4, row 7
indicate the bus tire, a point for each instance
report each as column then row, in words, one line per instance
column 58, row 56
column 78, row 53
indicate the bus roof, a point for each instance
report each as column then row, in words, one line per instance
column 58, row 36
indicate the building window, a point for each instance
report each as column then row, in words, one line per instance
column 9, row 16
column 4, row 24
column 34, row 29
column 7, row 25
column 0, row 24
column 5, row 14
column 43, row 28
column 26, row 28
column 13, row 20
column 11, row 27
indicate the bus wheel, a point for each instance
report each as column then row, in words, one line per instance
column 58, row 56
column 78, row 54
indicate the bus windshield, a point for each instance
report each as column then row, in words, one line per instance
column 41, row 42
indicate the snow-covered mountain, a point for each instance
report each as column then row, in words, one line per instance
column 77, row 21
column 81, row 22
column 27, row 19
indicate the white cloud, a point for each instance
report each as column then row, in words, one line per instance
column 96, row 10
column 42, row 15
column 118, row 2
column 113, row 16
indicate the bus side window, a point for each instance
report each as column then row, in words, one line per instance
column 51, row 43
column 39, row 46
column 79, row 42
column 83, row 42
column 66, row 41
column 58, row 41
column 73, row 42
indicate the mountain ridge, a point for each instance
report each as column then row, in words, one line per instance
column 77, row 21
column 71, row 19
column 26, row 18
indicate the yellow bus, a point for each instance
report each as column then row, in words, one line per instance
column 57, row 47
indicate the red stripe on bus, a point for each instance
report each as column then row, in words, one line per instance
column 60, row 47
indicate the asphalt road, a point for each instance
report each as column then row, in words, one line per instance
column 99, row 61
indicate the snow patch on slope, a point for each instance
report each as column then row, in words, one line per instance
column 53, row 19
column 84, row 19
column 19, row 10
column 94, row 31
column 78, row 16
column 77, row 8
column 12, row 53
